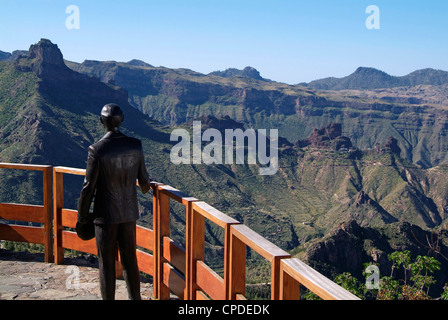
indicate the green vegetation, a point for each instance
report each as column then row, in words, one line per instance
column 21, row 246
column 413, row 284
column 16, row 89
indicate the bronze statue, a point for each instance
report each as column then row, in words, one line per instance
column 114, row 164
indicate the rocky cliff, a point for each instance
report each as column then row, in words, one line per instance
column 328, row 137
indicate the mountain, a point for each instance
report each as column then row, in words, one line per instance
column 4, row 55
column 53, row 100
column 371, row 78
column 247, row 72
column 416, row 116
column 49, row 114
column 139, row 63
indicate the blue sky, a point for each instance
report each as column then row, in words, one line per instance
column 289, row 41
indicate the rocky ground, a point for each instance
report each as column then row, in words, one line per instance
column 25, row 276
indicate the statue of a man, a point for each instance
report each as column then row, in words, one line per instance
column 114, row 164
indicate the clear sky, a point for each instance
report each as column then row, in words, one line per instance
column 289, row 41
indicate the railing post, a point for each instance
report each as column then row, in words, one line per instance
column 161, row 226
column 227, row 266
column 188, row 251
column 58, row 203
column 196, row 250
column 237, row 268
column 289, row 287
column 48, row 221
column 275, row 277
column 156, row 251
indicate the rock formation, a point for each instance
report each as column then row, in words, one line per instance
column 327, row 137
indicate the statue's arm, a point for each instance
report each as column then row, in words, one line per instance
column 88, row 187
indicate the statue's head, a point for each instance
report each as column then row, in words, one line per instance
column 111, row 117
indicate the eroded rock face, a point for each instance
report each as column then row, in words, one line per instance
column 46, row 52
column 44, row 58
column 329, row 137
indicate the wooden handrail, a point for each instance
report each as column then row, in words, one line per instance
column 182, row 271
column 294, row 272
column 20, row 166
column 79, row 172
column 213, row 214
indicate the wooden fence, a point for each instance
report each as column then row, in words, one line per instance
column 39, row 214
column 182, row 271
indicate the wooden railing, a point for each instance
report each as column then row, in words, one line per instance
column 241, row 237
column 182, row 271
column 30, row 213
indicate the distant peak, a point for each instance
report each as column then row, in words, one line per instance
column 4, row 55
column 247, row 72
column 362, row 78
column 138, row 63
column 251, row 73
column 44, row 58
column 46, row 52
column 368, row 70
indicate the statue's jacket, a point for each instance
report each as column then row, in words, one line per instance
column 114, row 164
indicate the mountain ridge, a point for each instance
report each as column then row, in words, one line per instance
column 371, row 78
column 176, row 96
column 361, row 78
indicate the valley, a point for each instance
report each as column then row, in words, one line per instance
column 374, row 157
